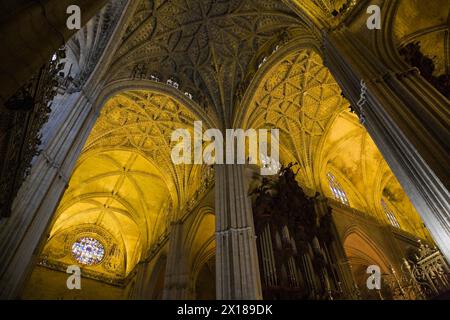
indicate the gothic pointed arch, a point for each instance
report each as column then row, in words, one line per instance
column 410, row 22
column 326, row 13
column 362, row 251
column 350, row 154
column 206, row 49
column 299, row 96
column 124, row 182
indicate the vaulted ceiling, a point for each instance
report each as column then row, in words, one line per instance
column 350, row 154
column 300, row 97
column 324, row 13
column 125, row 183
column 428, row 23
column 125, row 187
column 210, row 48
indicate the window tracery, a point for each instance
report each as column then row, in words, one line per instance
column 88, row 251
column 337, row 190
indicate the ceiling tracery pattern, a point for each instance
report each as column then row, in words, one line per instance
column 86, row 46
column 144, row 121
column 208, row 47
column 125, row 189
column 300, row 97
column 125, row 181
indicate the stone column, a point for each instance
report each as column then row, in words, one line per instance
column 177, row 283
column 406, row 117
column 237, row 269
column 30, row 32
column 40, row 194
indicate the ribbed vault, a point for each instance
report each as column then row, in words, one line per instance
column 325, row 13
column 125, row 184
column 299, row 96
column 210, row 49
column 125, row 188
column 349, row 153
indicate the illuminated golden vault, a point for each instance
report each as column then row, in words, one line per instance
column 125, row 190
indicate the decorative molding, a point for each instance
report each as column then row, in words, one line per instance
column 21, row 125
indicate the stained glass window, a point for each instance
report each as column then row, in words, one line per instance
column 338, row 192
column 389, row 214
column 88, row 251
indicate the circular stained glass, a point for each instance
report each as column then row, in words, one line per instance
column 88, row 251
